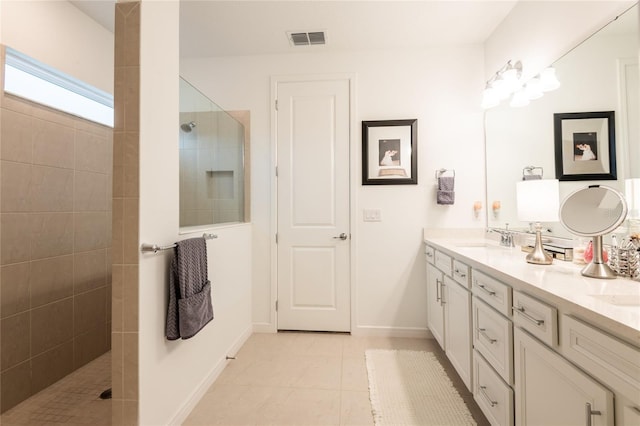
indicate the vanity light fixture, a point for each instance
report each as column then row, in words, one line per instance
column 507, row 82
column 538, row 201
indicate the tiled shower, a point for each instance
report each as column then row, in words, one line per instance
column 55, row 239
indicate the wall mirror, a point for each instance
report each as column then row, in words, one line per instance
column 600, row 74
column 212, row 162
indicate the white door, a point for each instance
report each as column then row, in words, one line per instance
column 313, row 239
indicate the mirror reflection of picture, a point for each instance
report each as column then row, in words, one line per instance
column 585, row 146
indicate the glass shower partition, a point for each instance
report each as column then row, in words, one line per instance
column 212, row 154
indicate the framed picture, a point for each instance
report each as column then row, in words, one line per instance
column 585, row 145
column 389, row 152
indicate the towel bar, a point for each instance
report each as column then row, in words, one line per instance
column 440, row 172
column 148, row 248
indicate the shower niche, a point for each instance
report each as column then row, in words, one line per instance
column 213, row 154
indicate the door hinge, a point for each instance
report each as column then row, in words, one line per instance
column 276, row 104
column 276, row 306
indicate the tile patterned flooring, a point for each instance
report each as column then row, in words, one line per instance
column 73, row 400
column 277, row 379
column 304, row 379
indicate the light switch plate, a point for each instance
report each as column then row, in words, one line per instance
column 372, row 215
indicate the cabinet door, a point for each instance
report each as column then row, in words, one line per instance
column 551, row 391
column 435, row 309
column 457, row 328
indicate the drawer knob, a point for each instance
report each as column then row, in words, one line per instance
column 483, row 332
column 521, row 311
column 483, row 391
column 460, row 273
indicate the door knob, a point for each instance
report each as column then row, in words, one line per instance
column 342, row 236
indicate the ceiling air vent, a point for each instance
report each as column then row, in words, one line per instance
column 311, row 38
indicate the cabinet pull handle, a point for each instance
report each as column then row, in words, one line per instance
column 429, row 254
column 490, row 292
column 483, row 332
column 459, row 272
column 589, row 412
column 525, row 315
column 488, row 398
column 438, row 297
column 442, row 301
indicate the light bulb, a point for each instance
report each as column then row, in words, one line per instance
column 519, row 99
column 548, row 80
column 532, row 89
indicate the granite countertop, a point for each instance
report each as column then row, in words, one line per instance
column 613, row 305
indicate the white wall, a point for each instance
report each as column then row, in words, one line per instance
column 174, row 374
column 439, row 87
column 539, row 32
column 60, row 35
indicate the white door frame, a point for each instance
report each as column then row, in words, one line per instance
column 354, row 174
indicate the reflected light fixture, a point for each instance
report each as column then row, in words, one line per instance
column 507, row 82
column 538, row 201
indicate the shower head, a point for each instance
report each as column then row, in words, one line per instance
column 188, row 127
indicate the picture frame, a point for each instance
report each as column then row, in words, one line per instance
column 390, row 152
column 585, row 145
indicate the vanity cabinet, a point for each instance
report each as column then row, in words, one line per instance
column 538, row 358
column 608, row 360
column 457, row 323
column 449, row 309
column 551, row 391
column 435, row 307
column 493, row 348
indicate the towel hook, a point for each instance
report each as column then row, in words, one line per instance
column 528, row 171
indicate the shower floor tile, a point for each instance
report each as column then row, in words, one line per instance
column 73, row 400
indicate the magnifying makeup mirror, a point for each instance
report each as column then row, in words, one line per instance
column 593, row 212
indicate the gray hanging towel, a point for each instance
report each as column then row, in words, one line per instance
column 190, row 306
column 445, row 193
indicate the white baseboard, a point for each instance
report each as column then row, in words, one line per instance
column 264, row 327
column 412, row 332
column 209, row 378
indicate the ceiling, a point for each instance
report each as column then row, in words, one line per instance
column 236, row 28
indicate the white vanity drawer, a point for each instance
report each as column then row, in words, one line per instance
column 430, row 254
column 494, row 397
column 493, row 338
column 443, row 262
column 493, row 292
column 462, row 273
column 536, row 317
column 604, row 357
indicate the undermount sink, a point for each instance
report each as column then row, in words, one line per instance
column 478, row 244
column 619, row 299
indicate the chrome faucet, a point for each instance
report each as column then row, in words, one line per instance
column 506, row 236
